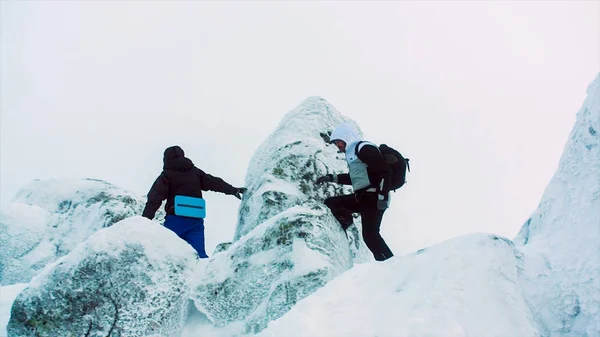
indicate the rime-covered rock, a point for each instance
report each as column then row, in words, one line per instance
column 266, row 272
column 129, row 279
column 283, row 170
column 286, row 244
column 561, row 240
column 47, row 219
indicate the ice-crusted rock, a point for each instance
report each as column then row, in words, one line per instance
column 130, row 279
column 561, row 240
column 47, row 219
column 287, row 244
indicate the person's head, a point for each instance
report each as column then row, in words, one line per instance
column 173, row 152
column 344, row 135
column 341, row 145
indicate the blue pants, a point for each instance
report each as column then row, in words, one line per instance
column 189, row 229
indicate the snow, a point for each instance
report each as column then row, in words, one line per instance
column 259, row 277
column 464, row 287
column 21, row 239
column 292, row 271
column 285, row 166
column 136, row 266
column 306, row 260
column 47, row 219
column 158, row 244
column 561, row 240
column 7, row 297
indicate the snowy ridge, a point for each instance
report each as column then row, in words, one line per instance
column 464, row 287
column 561, row 240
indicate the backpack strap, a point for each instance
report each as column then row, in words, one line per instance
column 356, row 147
column 360, row 144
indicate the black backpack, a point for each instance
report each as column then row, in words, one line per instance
column 398, row 164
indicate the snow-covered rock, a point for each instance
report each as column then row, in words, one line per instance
column 287, row 244
column 47, row 219
column 130, row 279
column 265, row 273
column 561, row 240
column 467, row 286
column 290, row 270
column 282, row 172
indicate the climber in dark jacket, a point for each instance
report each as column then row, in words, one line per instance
column 367, row 173
column 181, row 177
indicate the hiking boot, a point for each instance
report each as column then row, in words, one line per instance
column 345, row 221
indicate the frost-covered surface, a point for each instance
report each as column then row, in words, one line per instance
column 561, row 240
column 262, row 275
column 129, row 279
column 464, row 287
column 287, row 244
column 283, row 170
column 47, row 219
column 7, row 297
column 288, row 267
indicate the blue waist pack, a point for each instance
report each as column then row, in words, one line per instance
column 190, row 207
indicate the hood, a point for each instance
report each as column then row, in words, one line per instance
column 171, row 153
column 347, row 133
column 179, row 164
column 174, row 159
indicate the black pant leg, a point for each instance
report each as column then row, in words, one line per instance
column 342, row 208
column 371, row 223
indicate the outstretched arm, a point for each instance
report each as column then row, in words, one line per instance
column 157, row 194
column 216, row 184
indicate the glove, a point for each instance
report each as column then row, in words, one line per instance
column 239, row 191
column 325, row 179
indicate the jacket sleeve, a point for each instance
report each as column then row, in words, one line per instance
column 158, row 193
column 216, row 184
column 371, row 156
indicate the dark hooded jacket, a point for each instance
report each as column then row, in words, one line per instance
column 180, row 177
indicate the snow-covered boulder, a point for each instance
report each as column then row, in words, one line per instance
column 287, row 244
column 265, row 273
column 468, row 286
column 283, row 170
column 561, row 240
column 130, row 279
column 47, row 219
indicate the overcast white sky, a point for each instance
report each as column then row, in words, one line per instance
column 480, row 95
